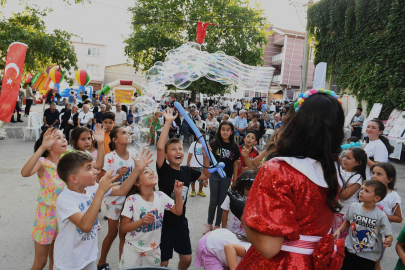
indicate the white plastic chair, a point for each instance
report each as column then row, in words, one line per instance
column 35, row 121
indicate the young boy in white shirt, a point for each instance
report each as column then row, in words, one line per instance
column 78, row 205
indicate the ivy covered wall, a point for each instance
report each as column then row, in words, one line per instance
column 363, row 42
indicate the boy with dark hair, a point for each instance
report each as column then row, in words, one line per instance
column 367, row 226
column 108, row 120
column 175, row 232
column 78, row 204
column 250, row 143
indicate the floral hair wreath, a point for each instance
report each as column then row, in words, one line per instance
column 303, row 96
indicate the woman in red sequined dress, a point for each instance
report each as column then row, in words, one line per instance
column 290, row 208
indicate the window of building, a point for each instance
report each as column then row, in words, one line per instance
column 311, row 53
column 93, row 69
column 335, row 85
column 246, row 93
column 93, row 52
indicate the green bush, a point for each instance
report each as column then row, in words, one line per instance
column 363, row 42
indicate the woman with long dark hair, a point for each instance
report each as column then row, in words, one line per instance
column 378, row 149
column 290, row 208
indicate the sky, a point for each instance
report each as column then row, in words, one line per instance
column 108, row 22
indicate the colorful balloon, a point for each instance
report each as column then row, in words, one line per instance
column 56, row 76
column 82, row 78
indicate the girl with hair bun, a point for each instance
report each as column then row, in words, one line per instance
column 291, row 205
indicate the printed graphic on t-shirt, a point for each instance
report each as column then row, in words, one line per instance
column 364, row 233
column 92, row 234
column 184, row 193
column 224, row 153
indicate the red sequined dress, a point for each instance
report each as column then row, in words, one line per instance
column 285, row 202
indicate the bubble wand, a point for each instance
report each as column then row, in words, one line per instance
column 215, row 167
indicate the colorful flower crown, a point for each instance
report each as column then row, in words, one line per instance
column 303, row 96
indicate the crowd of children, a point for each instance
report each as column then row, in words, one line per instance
column 294, row 201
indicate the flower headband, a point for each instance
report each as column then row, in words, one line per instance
column 303, row 96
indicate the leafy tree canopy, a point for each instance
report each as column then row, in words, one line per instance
column 161, row 25
column 363, row 43
column 44, row 49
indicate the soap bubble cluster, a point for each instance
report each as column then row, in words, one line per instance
column 143, row 109
column 189, row 63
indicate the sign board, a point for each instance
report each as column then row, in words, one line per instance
column 391, row 120
column 375, row 112
column 399, row 127
column 349, row 117
column 124, row 96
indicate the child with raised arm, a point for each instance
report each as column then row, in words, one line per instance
column 142, row 218
column 78, row 204
column 175, row 232
column 48, row 150
column 367, row 226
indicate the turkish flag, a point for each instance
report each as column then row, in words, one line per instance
column 202, row 30
column 13, row 72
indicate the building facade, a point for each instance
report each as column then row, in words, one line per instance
column 284, row 52
column 91, row 57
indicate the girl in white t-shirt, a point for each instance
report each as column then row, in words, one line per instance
column 242, row 185
column 353, row 174
column 378, row 149
column 122, row 162
column 142, row 218
column 391, row 204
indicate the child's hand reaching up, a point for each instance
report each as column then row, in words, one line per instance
column 246, row 151
column 49, row 138
column 144, row 160
column 98, row 133
column 168, row 115
column 148, row 218
column 178, row 187
column 107, row 182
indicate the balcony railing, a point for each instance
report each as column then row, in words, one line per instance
column 277, row 57
column 276, row 79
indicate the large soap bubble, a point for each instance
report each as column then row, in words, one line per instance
column 139, row 138
column 188, row 63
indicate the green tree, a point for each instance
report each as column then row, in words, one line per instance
column 161, row 25
column 363, row 43
column 44, row 48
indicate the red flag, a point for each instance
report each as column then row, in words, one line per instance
column 13, row 71
column 202, row 30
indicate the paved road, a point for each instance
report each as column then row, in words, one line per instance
column 18, row 203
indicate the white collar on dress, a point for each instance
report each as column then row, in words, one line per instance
column 310, row 168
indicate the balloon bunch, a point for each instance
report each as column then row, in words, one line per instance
column 349, row 145
column 56, row 76
column 83, row 78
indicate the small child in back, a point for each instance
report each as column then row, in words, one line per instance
column 250, row 143
column 400, row 247
column 77, row 208
column 142, row 217
column 353, row 174
column 391, row 204
column 367, row 226
column 195, row 161
column 108, row 124
column 242, row 185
